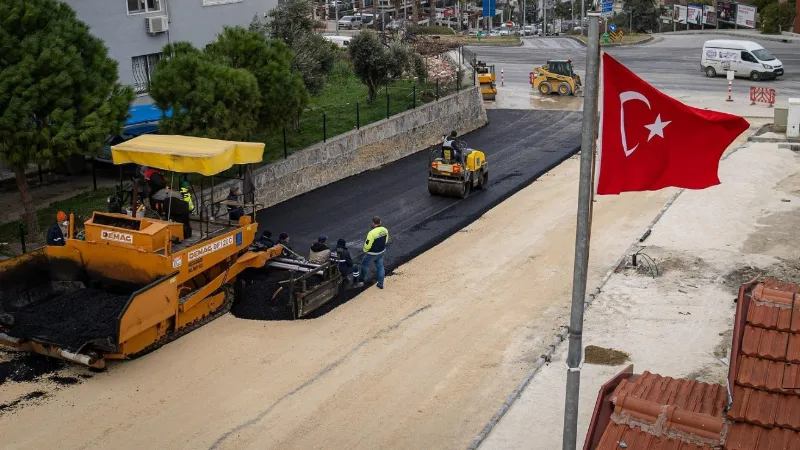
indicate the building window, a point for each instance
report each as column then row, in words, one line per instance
column 219, row 2
column 143, row 68
column 143, row 6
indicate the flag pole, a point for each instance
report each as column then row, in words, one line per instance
column 585, row 196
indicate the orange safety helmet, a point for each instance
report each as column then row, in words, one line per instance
column 61, row 217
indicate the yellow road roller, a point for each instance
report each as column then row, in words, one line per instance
column 455, row 169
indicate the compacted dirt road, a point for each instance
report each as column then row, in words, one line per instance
column 423, row 363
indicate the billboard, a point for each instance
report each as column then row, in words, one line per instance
column 709, row 15
column 694, row 14
column 726, row 12
column 679, row 15
column 666, row 14
column 746, row 16
column 489, row 8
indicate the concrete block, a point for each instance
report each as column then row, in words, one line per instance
column 779, row 120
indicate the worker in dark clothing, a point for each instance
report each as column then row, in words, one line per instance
column 55, row 234
column 235, row 211
column 283, row 240
column 345, row 260
column 320, row 253
column 266, row 239
column 450, row 143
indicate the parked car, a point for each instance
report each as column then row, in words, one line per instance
column 350, row 22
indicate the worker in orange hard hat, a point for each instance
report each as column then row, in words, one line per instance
column 55, row 234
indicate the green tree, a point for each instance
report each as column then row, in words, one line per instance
column 563, row 10
column 208, row 98
column 291, row 23
column 59, row 91
column 282, row 93
column 777, row 17
column 371, row 61
column 645, row 14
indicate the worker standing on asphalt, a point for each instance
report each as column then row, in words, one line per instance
column 55, row 234
column 345, row 260
column 374, row 250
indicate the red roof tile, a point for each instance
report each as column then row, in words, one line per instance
column 766, row 371
column 636, row 439
column 744, row 436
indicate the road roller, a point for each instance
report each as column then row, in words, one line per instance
column 454, row 170
column 128, row 284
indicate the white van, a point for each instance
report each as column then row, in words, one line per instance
column 341, row 41
column 350, row 22
column 745, row 58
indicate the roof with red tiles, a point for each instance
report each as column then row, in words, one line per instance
column 649, row 411
column 764, row 374
column 655, row 412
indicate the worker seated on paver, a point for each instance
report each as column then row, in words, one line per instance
column 283, row 240
column 171, row 206
column 319, row 253
column 187, row 195
column 266, row 239
column 57, row 231
column 235, row 211
column 451, row 144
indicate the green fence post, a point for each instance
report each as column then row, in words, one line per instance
column 388, row 112
column 414, row 97
column 358, row 116
column 285, row 153
column 437, row 90
column 324, row 128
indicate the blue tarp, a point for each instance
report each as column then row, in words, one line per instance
column 144, row 114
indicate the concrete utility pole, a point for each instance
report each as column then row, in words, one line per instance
column 336, row 8
column 583, row 14
column 583, row 232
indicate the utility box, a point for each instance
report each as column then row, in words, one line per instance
column 779, row 120
column 793, row 119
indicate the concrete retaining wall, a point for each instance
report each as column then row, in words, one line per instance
column 368, row 148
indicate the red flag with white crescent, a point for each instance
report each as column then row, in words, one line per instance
column 651, row 141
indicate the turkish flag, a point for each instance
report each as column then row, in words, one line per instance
column 651, row 141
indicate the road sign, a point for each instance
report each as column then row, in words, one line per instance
column 608, row 9
column 509, row 24
column 612, row 27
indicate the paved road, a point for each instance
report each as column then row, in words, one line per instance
column 671, row 63
column 519, row 145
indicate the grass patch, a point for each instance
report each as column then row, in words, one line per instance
column 511, row 39
column 82, row 205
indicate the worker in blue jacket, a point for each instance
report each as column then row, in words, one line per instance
column 55, row 234
column 374, row 250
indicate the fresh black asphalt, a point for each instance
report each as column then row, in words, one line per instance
column 520, row 146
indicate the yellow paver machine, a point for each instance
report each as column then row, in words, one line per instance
column 132, row 284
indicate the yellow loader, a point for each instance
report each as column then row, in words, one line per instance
column 556, row 76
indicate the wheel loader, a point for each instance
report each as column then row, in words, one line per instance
column 556, row 76
column 455, row 174
column 133, row 284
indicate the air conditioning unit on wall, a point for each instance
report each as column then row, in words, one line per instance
column 157, row 24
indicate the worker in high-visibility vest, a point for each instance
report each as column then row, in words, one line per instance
column 187, row 195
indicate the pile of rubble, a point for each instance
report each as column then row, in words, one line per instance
column 441, row 70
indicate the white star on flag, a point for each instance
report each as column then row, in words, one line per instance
column 657, row 128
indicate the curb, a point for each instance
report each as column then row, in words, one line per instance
column 563, row 333
column 643, row 41
column 763, row 37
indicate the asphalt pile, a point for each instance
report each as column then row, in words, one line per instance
column 24, row 367
column 71, row 320
column 254, row 299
